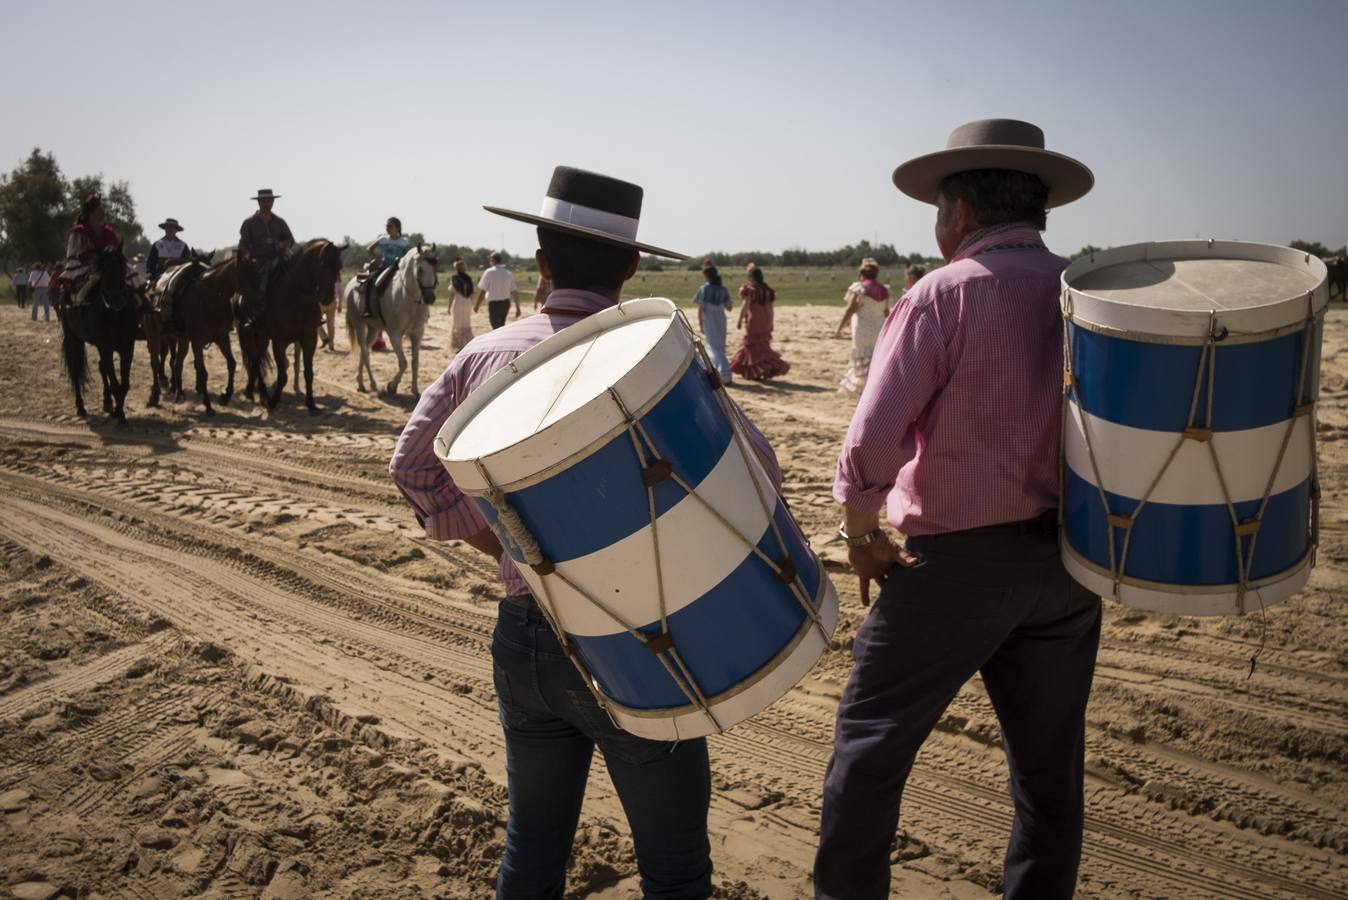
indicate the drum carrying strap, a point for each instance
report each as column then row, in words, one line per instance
column 1199, row 429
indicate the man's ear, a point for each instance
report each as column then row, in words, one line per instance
column 633, row 264
column 542, row 262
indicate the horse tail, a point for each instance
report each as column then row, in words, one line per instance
column 74, row 358
column 254, row 345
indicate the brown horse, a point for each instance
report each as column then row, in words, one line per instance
column 291, row 316
column 1338, row 277
column 204, row 317
column 109, row 319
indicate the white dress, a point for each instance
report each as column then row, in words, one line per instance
column 460, row 319
column 866, row 324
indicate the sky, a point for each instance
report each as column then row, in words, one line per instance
column 750, row 125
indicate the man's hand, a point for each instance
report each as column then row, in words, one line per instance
column 486, row 542
column 875, row 561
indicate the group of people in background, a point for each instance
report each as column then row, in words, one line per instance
column 32, row 287
column 868, row 303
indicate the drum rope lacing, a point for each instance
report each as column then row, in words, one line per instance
column 655, row 470
column 1303, row 407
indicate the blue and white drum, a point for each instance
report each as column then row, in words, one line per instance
column 618, row 476
column 1189, row 475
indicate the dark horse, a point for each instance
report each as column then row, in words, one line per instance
column 108, row 319
column 204, row 316
column 291, row 315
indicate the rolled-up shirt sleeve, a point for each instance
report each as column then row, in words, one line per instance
column 441, row 508
column 908, row 368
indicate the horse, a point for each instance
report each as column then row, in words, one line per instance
column 204, row 317
column 165, row 350
column 291, row 315
column 401, row 309
column 1338, row 276
column 109, row 319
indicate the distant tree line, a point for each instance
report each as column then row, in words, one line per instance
column 38, row 204
column 848, row 256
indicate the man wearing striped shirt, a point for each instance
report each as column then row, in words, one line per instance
column 957, row 434
column 587, row 234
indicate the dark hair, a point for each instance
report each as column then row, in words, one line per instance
column 916, row 272
column 582, row 264
column 756, row 276
column 87, row 206
column 495, row 257
column 1000, row 196
column 394, row 220
column 713, row 277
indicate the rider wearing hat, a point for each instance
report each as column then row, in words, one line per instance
column 166, row 251
column 264, row 237
column 90, row 234
column 957, row 437
column 384, row 253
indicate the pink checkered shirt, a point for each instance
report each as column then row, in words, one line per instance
column 960, row 420
column 441, row 508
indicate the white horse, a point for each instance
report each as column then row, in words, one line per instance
column 399, row 310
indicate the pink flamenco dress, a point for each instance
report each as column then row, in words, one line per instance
column 755, row 359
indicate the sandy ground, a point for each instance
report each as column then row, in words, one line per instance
column 231, row 666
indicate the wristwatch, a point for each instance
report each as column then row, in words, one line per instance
column 861, row 540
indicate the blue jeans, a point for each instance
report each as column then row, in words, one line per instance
column 552, row 725
column 998, row 602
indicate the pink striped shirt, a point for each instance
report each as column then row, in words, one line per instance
column 441, row 508
column 959, row 424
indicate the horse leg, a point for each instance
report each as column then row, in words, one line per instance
column 367, row 335
column 309, row 345
column 76, row 358
column 225, row 350
column 180, row 347
column 416, row 364
column 199, row 362
column 124, row 385
column 395, row 341
column 107, row 371
column 156, row 369
column 278, row 352
column 297, row 369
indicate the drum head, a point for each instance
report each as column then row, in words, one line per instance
column 553, row 402
column 1178, row 288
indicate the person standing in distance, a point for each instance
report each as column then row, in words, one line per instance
column 958, row 434
column 552, row 724
column 497, row 286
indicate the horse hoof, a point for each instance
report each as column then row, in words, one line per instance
column 314, row 410
column 209, row 412
column 82, row 412
column 225, row 398
column 152, row 403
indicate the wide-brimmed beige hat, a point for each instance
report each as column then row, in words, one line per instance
column 995, row 144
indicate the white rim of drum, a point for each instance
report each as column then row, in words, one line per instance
column 578, row 333
column 1191, row 325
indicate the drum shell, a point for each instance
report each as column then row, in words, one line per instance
column 1125, row 414
column 743, row 635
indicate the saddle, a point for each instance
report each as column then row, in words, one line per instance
column 374, row 286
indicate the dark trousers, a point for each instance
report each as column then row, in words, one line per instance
column 552, row 725
column 497, row 310
column 995, row 601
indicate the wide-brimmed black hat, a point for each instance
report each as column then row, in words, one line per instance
column 995, row 144
column 593, row 206
column 170, row 223
column 266, row 194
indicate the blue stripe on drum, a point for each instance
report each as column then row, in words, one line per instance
column 1151, row 385
column 1187, row 545
column 601, row 499
column 724, row 637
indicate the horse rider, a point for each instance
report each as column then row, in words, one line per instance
column 166, row 252
column 264, row 237
column 90, row 234
column 384, row 254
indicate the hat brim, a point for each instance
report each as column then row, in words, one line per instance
column 1066, row 178
column 266, row 197
column 167, row 225
column 593, row 233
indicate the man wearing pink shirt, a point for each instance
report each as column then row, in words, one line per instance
column 957, row 435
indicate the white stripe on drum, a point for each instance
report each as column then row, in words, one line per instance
column 1130, row 458
column 697, row 553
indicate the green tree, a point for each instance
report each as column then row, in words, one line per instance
column 1315, row 248
column 1087, row 250
column 32, row 205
